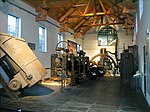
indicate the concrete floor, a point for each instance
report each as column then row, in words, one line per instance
column 102, row 95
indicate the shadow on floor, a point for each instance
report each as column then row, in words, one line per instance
column 101, row 95
column 36, row 90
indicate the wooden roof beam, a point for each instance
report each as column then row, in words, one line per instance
column 98, row 27
column 70, row 11
column 79, row 11
column 86, row 30
column 80, row 23
column 92, row 14
column 130, row 19
column 102, row 5
column 87, row 6
column 103, row 24
column 96, row 14
column 113, row 15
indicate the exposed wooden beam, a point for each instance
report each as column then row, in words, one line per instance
column 86, row 30
column 91, row 15
column 130, row 19
column 106, row 24
column 80, row 23
column 102, row 5
column 96, row 14
column 70, row 11
column 94, row 22
column 87, row 6
column 110, row 9
column 120, row 7
column 42, row 11
column 98, row 27
column 114, row 14
column 76, row 6
column 79, row 11
column 94, row 25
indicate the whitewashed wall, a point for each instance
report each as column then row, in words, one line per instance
column 69, row 36
column 29, row 28
column 90, row 45
column 143, row 25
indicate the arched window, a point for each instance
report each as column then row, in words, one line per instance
column 107, row 36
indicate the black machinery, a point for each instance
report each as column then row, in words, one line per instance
column 129, row 63
column 103, row 66
column 74, row 67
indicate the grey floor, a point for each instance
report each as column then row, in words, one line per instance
column 102, row 95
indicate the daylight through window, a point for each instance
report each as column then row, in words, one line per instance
column 14, row 26
column 42, row 39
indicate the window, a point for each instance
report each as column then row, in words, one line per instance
column 140, row 8
column 60, row 38
column 42, row 39
column 79, row 47
column 136, row 23
column 14, row 26
column 107, row 36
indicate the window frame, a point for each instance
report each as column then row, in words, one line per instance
column 43, row 44
column 79, row 47
column 60, row 38
column 141, row 8
column 17, row 28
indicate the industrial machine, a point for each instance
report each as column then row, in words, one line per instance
column 80, row 68
column 105, row 64
column 59, row 60
column 65, row 62
column 59, row 72
column 129, row 64
column 19, row 63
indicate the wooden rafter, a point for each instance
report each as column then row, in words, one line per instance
column 120, row 7
column 79, row 11
column 42, row 11
column 69, row 12
column 102, row 5
column 98, row 27
column 94, row 25
column 79, row 24
column 85, row 14
column 86, row 30
column 129, row 19
column 92, row 14
column 87, row 6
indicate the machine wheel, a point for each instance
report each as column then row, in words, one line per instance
column 14, row 84
column 92, row 74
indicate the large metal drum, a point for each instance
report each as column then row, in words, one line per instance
column 20, row 63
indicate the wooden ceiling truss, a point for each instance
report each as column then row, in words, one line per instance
column 83, row 15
